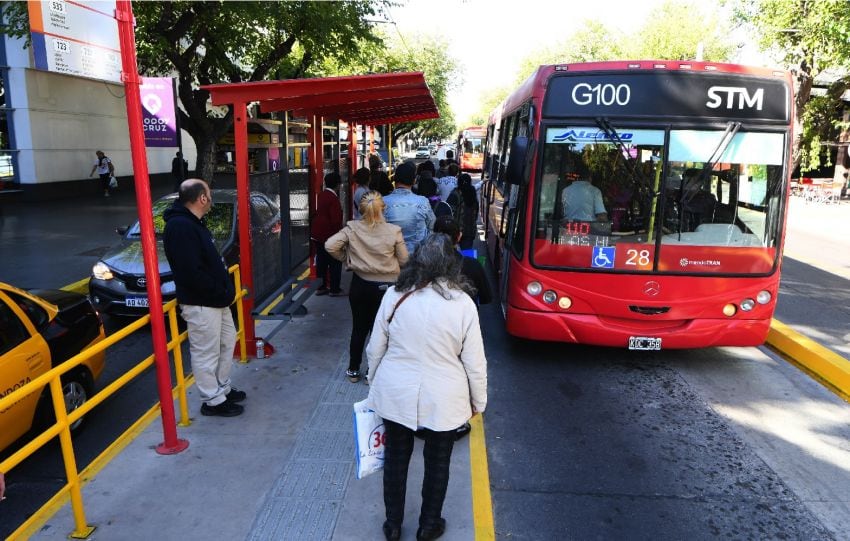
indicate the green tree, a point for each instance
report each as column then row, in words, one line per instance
column 812, row 37
column 215, row 42
column 227, row 42
column 678, row 30
column 675, row 30
column 393, row 53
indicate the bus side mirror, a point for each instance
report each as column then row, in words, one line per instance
column 515, row 172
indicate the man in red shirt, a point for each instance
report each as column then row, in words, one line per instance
column 326, row 221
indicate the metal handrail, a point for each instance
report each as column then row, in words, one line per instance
column 64, row 420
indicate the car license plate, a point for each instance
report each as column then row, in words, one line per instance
column 137, row 302
column 644, row 343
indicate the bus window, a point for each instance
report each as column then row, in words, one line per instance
column 724, row 203
column 593, row 192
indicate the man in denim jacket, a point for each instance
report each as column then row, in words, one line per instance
column 411, row 212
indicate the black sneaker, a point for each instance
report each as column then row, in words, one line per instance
column 391, row 533
column 353, row 375
column 427, row 534
column 235, row 395
column 322, row 291
column 225, row 409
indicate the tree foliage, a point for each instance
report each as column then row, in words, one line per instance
column 393, row 53
column 227, row 42
column 216, row 42
column 812, row 38
column 675, row 30
column 678, row 30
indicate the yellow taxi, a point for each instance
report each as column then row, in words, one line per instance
column 38, row 330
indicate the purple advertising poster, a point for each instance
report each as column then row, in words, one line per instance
column 158, row 112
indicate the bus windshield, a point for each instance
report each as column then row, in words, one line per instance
column 649, row 200
column 472, row 145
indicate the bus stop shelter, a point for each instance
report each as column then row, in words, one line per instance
column 367, row 100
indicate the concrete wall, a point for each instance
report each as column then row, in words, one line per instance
column 59, row 121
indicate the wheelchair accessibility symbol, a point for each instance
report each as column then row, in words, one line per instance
column 603, row 257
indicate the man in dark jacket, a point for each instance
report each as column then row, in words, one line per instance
column 204, row 292
column 179, row 170
column 325, row 223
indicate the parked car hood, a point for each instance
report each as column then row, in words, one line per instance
column 126, row 257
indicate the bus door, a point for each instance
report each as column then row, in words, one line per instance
column 513, row 207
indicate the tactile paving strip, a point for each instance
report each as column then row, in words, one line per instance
column 305, row 502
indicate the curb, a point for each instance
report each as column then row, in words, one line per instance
column 828, row 367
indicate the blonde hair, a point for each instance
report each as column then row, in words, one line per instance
column 372, row 208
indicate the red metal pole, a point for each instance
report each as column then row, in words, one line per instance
column 314, row 188
column 130, row 76
column 243, row 210
column 352, row 162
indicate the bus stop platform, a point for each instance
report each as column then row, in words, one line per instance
column 284, row 469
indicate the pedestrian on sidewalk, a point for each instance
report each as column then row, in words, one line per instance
column 326, row 221
column 375, row 251
column 105, row 170
column 205, row 292
column 361, row 179
column 427, row 372
column 411, row 212
column 448, row 182
column 469, row 216
column 179, row 170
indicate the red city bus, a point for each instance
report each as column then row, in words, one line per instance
column 640, row 204
column 470, row 145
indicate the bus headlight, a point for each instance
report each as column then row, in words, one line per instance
column 549, row 296
column 729, row 310
column 763, row 297
column 747, row 305
column 534, row 288
column 564, row 303
column 101, row 271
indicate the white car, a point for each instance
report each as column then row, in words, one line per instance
column 423, row 152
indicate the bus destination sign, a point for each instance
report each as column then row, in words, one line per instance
column 668, row 94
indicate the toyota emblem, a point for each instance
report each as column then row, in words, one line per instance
column 141, row 282
column 651, row 288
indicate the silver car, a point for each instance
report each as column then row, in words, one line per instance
column 118, row 284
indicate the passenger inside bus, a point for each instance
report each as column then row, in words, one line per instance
column 581, row 200
column 698, row 204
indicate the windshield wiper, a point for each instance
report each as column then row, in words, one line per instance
column 634, row 171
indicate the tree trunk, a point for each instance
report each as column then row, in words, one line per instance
column 803, row 94
column 206, row 146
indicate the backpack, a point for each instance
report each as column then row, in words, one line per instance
column 455, row 201
column 441, row 208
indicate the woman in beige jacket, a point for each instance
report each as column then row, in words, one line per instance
column 427, row 372
column 375, row 251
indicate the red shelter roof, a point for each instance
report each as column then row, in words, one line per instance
column 385, row 98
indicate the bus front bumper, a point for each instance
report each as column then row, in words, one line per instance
column 600, row 331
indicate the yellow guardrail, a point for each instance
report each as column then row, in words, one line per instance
column 64, row 419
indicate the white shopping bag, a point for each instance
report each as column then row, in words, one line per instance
column 369, row 440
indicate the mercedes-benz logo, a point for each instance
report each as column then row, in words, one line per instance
column 651, row 288
column 141, row 282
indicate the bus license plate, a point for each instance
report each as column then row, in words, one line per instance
column 137, row 302
column 644, row 343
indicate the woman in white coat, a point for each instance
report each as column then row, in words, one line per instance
column 427, row 372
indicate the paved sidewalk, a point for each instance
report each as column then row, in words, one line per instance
column 283, row 470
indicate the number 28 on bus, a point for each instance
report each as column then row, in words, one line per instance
column 639, row 204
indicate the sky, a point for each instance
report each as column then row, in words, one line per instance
column 489, row 38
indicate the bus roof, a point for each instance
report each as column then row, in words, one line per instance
column 536, row 83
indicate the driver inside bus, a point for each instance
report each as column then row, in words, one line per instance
column 581, row 200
